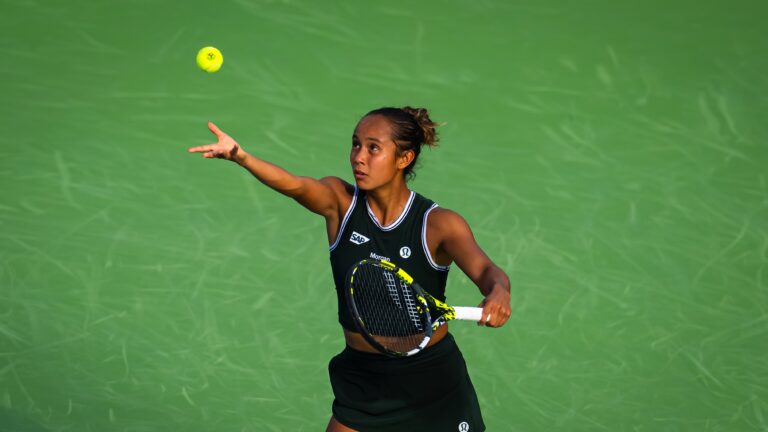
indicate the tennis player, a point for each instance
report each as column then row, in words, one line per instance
column 380, row 217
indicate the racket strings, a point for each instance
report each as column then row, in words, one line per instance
column 402, row 294
column 392, row 287
column 388, row 309
column 410, row 304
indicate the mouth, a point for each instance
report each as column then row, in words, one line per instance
column 359, row 174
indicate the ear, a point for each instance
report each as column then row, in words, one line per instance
column 405, row 159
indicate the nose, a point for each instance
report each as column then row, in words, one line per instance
column 358, row 156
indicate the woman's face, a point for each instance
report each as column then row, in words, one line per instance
column 373, row 156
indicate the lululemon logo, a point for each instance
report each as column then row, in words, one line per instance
column 463, row 427
column 405, row 251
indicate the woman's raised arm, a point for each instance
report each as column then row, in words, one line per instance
column 318, row 196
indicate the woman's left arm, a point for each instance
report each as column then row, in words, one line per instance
column 457, row 243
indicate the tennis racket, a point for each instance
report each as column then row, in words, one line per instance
column 392, row 312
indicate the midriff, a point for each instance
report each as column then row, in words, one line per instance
column 357, row 342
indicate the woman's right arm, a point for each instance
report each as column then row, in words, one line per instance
column 318, row 196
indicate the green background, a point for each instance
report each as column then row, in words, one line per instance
column 610, row 156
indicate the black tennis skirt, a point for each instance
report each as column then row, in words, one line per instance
column 430, row 391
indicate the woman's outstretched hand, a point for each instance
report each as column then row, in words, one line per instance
column 226, row 148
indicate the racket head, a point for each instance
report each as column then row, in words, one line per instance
column 389, row 309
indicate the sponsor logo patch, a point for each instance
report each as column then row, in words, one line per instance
column 374, row 255
column 358, row 238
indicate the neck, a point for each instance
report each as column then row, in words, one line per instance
column 388, row 202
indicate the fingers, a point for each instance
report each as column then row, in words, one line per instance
column 208, row 151
column 494, row 314
column 487, row 315
column 488, row 319
column 215, row 129
column 209, row 147
column 218, row 149
column 200, row 149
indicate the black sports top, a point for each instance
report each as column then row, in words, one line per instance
column 403, row 243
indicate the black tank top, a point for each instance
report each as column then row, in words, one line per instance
column 403, row 243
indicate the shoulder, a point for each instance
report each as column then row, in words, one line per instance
column 338, row 186
column 341, row 189
column 444, row 216
column 446, row 222
column 448, row 235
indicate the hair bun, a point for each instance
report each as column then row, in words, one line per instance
column 425, row 123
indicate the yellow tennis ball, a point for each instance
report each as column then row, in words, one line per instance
column 209, row 59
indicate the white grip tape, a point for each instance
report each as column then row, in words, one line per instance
column 468, row 313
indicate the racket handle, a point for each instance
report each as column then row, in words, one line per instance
column 468, row 313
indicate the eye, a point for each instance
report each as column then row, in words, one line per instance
column 355, row 144
column 374, row 147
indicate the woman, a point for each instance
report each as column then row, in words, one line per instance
column 379, row 217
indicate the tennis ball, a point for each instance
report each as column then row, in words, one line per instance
column 209, row 59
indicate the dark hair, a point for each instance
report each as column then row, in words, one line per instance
column 411, row 128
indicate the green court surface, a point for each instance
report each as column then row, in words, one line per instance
column 610, row 156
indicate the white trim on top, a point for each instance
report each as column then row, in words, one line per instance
column 344, row 221
column 397, row 221
column 424, row 242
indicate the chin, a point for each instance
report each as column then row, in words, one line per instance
column 367, row 184
column 363, row 185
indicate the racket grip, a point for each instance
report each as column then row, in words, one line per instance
column 468, row 313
